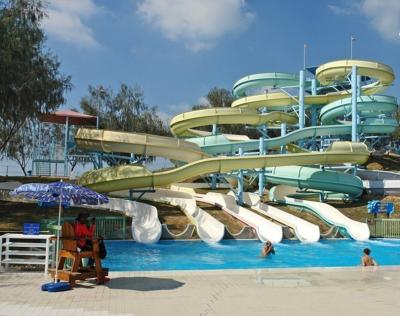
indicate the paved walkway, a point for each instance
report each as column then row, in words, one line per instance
column 320, row 292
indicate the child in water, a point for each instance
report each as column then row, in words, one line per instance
column 367, row 260
column 267, row 249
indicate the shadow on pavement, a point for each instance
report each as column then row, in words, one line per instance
column 143, row 284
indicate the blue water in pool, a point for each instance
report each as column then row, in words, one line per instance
column 233, row 254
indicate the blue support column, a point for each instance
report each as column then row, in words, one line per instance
column 240, row 182
column 283, row 133
column 214, row 129
column 301, row 100
column 213, row 181
column 214, row 176
column 314, row 117
column 354, row 136
column 354, row 118
column 261, row 173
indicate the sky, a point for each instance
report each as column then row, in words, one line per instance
column 177, row 50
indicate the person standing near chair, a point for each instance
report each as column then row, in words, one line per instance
column 84, row 234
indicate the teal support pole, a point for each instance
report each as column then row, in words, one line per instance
column 354, row 92
column 283, row 133
column 301, row 100
column 214, row 129
column 66, row 146
column 261, row 173
column 240, row 182
column 214, row 176
column 354, row 136
column 213, row 181
column 314, row 116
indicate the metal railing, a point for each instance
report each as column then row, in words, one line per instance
column 384, row 227
column 109, row 227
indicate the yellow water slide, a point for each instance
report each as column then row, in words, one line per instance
column 135, row 176
column 139, row 144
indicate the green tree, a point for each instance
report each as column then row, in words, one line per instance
column 30, row 81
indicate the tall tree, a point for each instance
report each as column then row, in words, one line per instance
column 30, row 81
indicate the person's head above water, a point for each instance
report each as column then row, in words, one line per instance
column 367, row 251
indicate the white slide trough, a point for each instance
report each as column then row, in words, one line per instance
column 265, row 229
column 356, row 230
column 303, row 230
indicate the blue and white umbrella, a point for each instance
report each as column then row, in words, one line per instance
column 61, row 193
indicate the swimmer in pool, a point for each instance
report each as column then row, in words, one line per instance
column 367, row 260
column 267, row 249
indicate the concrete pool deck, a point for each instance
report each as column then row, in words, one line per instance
column 330, row 291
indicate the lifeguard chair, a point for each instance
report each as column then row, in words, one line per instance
column 69, row 250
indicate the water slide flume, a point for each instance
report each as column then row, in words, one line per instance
column 356, row 230
column 140, row 144
column 315, row 179
column 183, row 124
column 327, row 74
column 208, row 228
column 146, row 227
column 134, row 176
column 303, row 230
column 265, row 229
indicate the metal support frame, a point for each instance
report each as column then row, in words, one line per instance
column 66, row 146
column 283, row 133
column 314, row 114
column 261, row 173
column 301, row 100
column 354, row 136
column 214, row 129
column 239, row 194
column 142, row 192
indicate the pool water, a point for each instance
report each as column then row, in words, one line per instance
column 245, row 254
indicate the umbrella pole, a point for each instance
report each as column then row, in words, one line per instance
column 58, row 235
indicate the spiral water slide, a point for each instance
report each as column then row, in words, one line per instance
column 333, row 106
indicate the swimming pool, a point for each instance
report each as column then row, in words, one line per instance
column 245, row 254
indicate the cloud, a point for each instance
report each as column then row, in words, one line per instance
column 385, row 17
column 340, row 10
column 173, row 110
column 198, row 24
column 203, row 101
column 66, row 21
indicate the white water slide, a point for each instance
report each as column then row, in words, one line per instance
column 356, row 230
column 146, row 228
column 303, row 230
column 208, row 228
column 265, row 229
